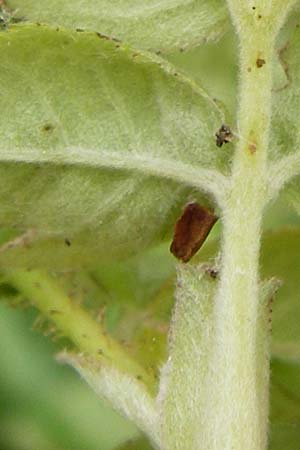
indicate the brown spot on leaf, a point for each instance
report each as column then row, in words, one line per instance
column 191, row 230
column 67, row 242
column 252, row 148
column 48, row 127
column 102, row 36
column 260, row 62
column 107, row 38
column 54, row 311
column 282, row 54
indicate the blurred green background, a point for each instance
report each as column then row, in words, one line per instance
column 46, row 406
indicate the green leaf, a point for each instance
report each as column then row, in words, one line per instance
column 285, row 135
column 127, row 394
column 215, row 66
column 285, row 406
column 285, row 132
column 100, row 147
column 164, row 25
column 280, row 258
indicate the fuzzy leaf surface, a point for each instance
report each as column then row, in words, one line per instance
column 100, row 146
column 280, row 258
column 163, row 25
column 191, row 337
column 127, row 395
column 285, row 121
column 285, row 130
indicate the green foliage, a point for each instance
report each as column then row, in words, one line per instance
column 285, row 405
column 84, row 176
column 279, row 256
column 163, row 25
column 286, row 136
column 103, row 142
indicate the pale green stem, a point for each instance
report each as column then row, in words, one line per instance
column 73, row 322
column 236, row 419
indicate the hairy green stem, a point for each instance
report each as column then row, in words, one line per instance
column 236, row 417
column 73, row 322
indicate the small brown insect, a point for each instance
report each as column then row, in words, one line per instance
column 260, row 62
column 223, row 135
column 191, row 230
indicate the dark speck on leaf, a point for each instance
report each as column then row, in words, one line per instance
column 48, row 127
column 213, row 273
column 79, row 30
column 107, row 38
column 102, row 36
column 67, row 242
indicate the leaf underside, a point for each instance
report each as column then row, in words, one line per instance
column 165, row 25
column 94, row 140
